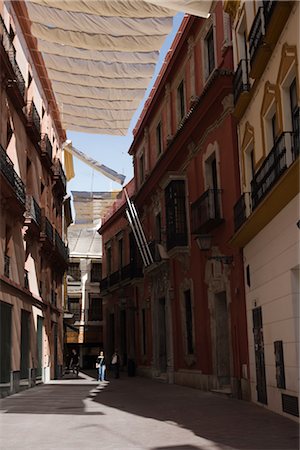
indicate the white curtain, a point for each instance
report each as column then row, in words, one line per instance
column 101, row 54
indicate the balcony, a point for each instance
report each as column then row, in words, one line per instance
column 206, row 212
column 61, row 248
column 104, row 284
column 26, row 279
column 265, row 31
column 274, row 185
column 7, row 266
column 125, row 274
column 242, row 210
column 115, row 278
column 59, row 178
column 46, row 148
column 131, row 271
column 15, row 80
column 47, row 233
column 33, row 122
column 272, row 168
column 12, row 187
column 296, row 134
column 241, row 88
column 32, row 214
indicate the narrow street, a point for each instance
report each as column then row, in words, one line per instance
column 137, row 413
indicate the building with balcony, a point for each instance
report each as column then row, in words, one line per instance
column 34, row 216
column 83, row 315
column 173, row 311
column 266, row 96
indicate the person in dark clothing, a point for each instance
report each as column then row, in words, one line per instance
column 101, row 366
column 74, row 362
column 115, row 364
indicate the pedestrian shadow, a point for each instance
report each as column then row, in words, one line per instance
column 226, row 423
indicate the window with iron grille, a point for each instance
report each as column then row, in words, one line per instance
column 108, row 259
column 120, row 245
column 210, row 52
column 74, row 307
column 142, row 168
column 159, row 146
column 180, row 101
column 74, row 273
column 189, row 322
column 176, row 225
column 96, row 274
column 158, row 228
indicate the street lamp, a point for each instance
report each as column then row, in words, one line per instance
column 204, row 243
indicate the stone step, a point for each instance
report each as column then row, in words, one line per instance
column 225, row 391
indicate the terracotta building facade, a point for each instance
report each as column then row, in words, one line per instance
column 181, row 316
column 34, row 217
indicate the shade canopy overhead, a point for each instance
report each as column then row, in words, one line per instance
column 100, row 55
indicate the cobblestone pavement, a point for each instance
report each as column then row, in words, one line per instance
column 137, row 413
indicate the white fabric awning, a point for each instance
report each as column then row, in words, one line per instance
column 100, row 55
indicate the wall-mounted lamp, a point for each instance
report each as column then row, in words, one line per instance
column 204, row 243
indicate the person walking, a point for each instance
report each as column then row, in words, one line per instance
column 115, row 364
column 74, row 362
column 101, row 366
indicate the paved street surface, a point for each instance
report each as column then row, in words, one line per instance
column 137, row 413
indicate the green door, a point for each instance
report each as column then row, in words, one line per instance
column 25, row 344
column 54, row 330
column 40, row 323
column 5, row 342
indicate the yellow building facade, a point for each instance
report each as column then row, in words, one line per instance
column 265, row 39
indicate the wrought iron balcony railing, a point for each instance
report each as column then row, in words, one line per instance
column 47, row 229
column 11, row 53
column 19, row 79
column 33, row 211
column 26, row 279
column 114, row 278
column 104, row 284
column 206, row 211
column 241, row 210
column 6, row 39
column 33, row 119
column 46, row 146
column 59, row 173
column 268, row 7
column 130, row 271
column 61, row 247
column 154, row 251
column 9, row 173
column 87, row 314
column 127, row 272
column 7, row 266
column 271, row 169
column 241, row 79
column 257, row 32
column 296, row 134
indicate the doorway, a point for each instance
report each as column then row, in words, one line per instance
column 261, row 386
column 222, row 339
column 162, row 336
column 25, row 344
